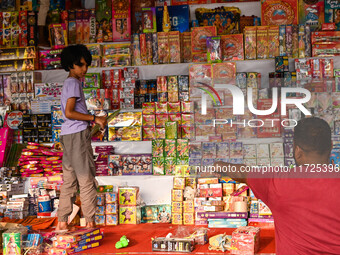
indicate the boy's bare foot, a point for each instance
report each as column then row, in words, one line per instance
column 61, row 226
column 91, row 225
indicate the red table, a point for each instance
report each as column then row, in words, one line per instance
column 140, row 239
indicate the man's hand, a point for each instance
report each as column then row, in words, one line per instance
column 101, row 121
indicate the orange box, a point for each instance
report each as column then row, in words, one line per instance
column 250, row 42
column 273, row 41
column 270, row 16
column 262, row 42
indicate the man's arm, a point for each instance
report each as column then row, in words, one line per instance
column 231, row 170
column 70, row 113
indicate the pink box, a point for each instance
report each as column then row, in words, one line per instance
column 245, row 240
column 6, row 138
column 121, row 20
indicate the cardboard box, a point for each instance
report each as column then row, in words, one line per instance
column 129, row 215
column 121, row 20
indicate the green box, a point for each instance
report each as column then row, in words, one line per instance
column 182, row 148
column 158, row 148
column 171, row 130
column 158, row 165
column 11, row 243
column 92, row 80
column 170, row 165
column 170, row 148
column 182, row 161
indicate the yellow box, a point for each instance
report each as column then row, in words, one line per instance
column 128, row 195
column 228, row 188
column 188, row 206
column 177, row 218
column 188, row 218
column 179, row 182
column 177, row 195
column 129, row 215
column 177, row 207
column 191, row 182
column 207, row 180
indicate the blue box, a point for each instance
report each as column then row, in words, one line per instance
column 179, row 18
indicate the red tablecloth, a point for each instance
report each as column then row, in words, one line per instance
column 140, row 239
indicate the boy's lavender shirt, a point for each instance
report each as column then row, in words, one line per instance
column 72, row 88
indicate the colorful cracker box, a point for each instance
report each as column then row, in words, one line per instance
column 158, row 148
column 121, row 20
column 77, row 235
column 149, row 20
column 245, row 240
column 262, row 42
column 103, row 18
column 225, row 19
column 276, row 12
column 250, row 42
column 80, row 27
column 171, row 130
column 273, row 41
column 224, row 73
column 158, row 165
column 179, row 17
column 58, row 35
column 177, row 195
column 11, row 243
column 129, row 215
column 186, row 56
column 182, row 148
column 188, row 218
column 312, row 13
column 156, row 214
column 111, row 220
column 6, row 141
column 179, row 183
column 170, row 165
column 199, row 38
column 128, row 195
column 177, row 218
column 232, row 47
column 163, row 48
column 170, row 148
column 173, row 244
column 174, row 46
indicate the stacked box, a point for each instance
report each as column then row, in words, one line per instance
column 129, row 211
column 76, row 241
column 182, row 205
column 107, row 206
column 174, row 155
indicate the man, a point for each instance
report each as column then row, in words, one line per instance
column 305, row 208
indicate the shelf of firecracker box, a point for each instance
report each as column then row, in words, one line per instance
column 264, row 66
column 153, row 189
column 125, row 147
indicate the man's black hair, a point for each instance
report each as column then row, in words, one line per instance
column 72, row 55
column 313, row 134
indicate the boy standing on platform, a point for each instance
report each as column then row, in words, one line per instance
column 78, row 164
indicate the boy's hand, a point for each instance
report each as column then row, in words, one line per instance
column 101, row 121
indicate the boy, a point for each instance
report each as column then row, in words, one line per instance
column 78, row 164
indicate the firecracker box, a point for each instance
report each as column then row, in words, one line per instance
column 245, row 240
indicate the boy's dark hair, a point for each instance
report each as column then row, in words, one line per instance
column 313, row 134
column 72, row 55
